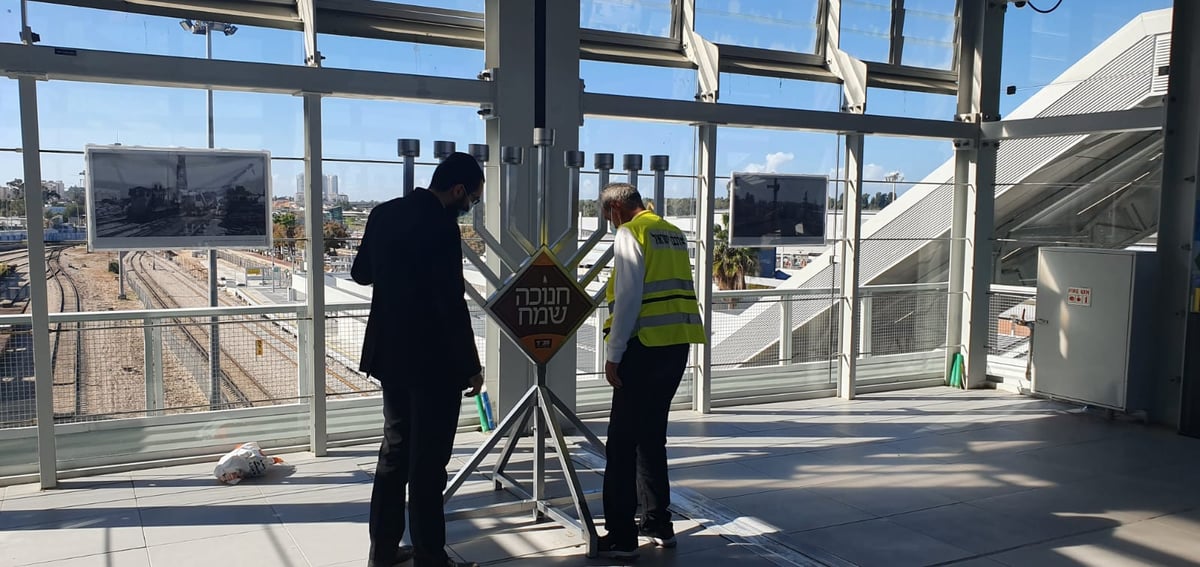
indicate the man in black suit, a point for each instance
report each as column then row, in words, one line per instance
column 420, row 345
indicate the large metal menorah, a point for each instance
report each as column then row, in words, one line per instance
column 539, row 307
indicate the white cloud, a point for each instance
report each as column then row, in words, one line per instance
column 874, row 172
column 871, row 172
column 773, row 163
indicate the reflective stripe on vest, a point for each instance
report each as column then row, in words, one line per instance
column 669, row 314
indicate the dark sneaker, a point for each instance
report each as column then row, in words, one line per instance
column 402, row 555
column 612, row 549
column 663, row 535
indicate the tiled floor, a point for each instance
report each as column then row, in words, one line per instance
column 924, row 477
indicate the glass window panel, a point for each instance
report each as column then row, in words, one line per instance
column 929, row 28
column 255, row 121
column 10, row 21
column 781, row 151
column 867, row 29
column 88, row 28
column 368, row 129
column 769, row 24
column 10, row 114
column 619, row 137
column 366, row 182
column 72, row 115
column 906, row 160
column 399, row 57
column 911, row 104
column 1038, row 48
column 787, row 93
column 1074, row 198
column 658, row 82
column 645, row 17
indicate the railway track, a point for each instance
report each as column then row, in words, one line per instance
column 238, row 387
column 69, row 300
column 282, row 343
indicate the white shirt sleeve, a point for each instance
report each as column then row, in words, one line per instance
column 629, row 266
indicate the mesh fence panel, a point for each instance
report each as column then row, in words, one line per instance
column 344, row 332
column 903, row 321
column 18, row 404
column 1009, row 316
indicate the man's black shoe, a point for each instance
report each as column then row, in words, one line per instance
column 612, row 549
column 402, row 555
column 663, row 535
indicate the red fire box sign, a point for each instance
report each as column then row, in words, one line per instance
column 1081, row 296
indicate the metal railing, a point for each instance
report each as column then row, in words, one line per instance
column 902, row 339
column 1012, row 310
column 144, row 371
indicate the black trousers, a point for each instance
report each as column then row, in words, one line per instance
column 636, row 472
column 418, row 438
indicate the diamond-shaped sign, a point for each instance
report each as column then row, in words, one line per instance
column 541, row 306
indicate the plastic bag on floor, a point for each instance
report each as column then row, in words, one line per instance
column 245, row 461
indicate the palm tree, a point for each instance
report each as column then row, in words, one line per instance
column 730, row 265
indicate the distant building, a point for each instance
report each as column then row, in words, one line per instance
column 329, row 188
column 335, row 214
column 55, row 186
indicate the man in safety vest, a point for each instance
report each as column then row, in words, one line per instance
column 654, row 320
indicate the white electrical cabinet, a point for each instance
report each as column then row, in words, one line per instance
column 1091, row 341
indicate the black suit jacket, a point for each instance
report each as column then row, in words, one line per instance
column 419, row 330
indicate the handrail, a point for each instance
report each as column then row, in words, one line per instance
column 184, row 312
column 1014, row 289
column 825, row 291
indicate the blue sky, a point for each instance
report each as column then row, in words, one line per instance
column 1038, row 48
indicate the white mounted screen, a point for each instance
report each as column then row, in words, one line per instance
column 773, row 209
column 157, row 198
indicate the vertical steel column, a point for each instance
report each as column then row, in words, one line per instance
column 39, row 309
column 313, row 350
column 409, row 149
column 121, row 275
column 864, row 338
column 214, row 330
column 152, row 338
column 974, row 209
column 706, row 135
column 632, row 164
column 850, row 248
column 1176, row 382
column 508, row 48
column 785, row 330
column 659, row 165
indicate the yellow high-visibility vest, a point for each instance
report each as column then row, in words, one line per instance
column 670, row 314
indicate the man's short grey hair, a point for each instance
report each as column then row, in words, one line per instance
column 623, row 193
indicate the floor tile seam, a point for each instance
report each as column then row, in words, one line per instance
column 81, row 505
column 45, row 525
column 894, row 514
column 1031, row 544
column 251, row 529
column 86, row 555
column 872, row 518
column 533, row 553
column 52, row 494
column 336, row 518
column 286, row 493
column 766, row 548
column 295, row 542
column 1159, row 517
